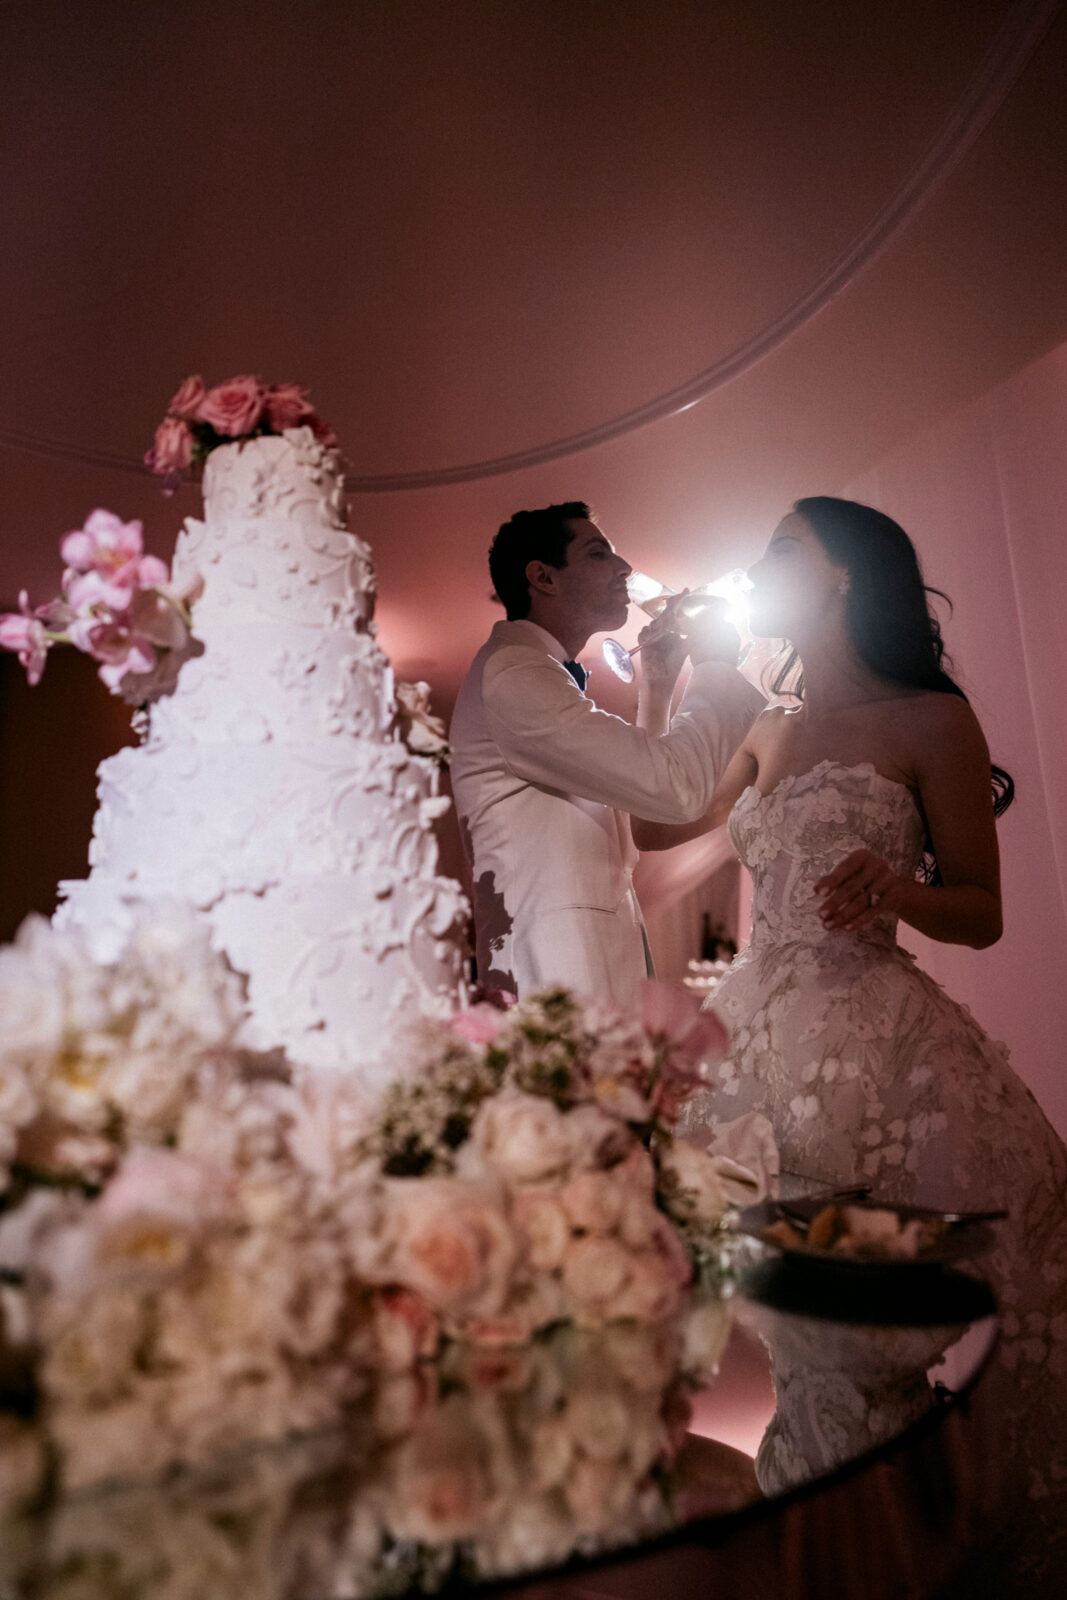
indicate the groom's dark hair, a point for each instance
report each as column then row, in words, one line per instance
column 530, row 536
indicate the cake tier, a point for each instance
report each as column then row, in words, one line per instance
column 274, row 544
column 203, row 821
column 255, row 683
column 333, row 971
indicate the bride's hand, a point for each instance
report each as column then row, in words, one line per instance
column 860, row 888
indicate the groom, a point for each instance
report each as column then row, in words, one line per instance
column 543, row 780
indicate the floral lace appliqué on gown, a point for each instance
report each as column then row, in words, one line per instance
column 870, row 1073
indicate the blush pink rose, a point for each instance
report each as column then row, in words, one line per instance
column 453, row 1244
column 593, row 1201
column 287, row 406
column 655, row 1288
column 445, row 1479
column 186, row 403
column 595, row 1271
column 173, row 448
column 480, row 1024
column 233, row 408
column 406, row 1330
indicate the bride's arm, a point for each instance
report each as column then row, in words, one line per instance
column 952, row 772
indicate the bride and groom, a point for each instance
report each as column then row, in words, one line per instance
column 864, row 798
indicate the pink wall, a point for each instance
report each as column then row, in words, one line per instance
column 983, row 494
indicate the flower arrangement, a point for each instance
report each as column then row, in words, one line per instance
column 199, row 419
column 481, row 1468
column 421, row 729
column 529, row 1171
column 199, row 1248
column 175, row 1216
column 117, row 605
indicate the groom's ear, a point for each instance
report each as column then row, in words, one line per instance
column 541, row 577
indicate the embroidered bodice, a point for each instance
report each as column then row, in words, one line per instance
column 801, row 829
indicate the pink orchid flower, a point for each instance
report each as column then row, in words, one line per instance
column 478, row 1025
column 672, row 1016
column 693, row 1041
column 24, row 632
column 104, row 545
column 127, row 643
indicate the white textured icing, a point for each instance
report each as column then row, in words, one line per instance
column 272, row 792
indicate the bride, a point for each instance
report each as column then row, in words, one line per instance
column 866, row 799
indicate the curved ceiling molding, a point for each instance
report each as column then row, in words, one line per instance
column 1018, row 37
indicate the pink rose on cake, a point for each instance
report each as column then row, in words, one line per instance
column 200, row 419
column 233, row 408
column 185, row 406
column 172, row 451
column 287, row 406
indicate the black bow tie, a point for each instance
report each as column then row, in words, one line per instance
column 578, row 673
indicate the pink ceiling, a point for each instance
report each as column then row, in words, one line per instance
column 474, row 227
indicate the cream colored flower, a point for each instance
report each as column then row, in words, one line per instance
column 689, row 1183
column 595, row 1272
column 450, row 1476
column 593, row 1201
column 420, row 729
column 523, row 1137
column 542, row 1221
column 90, row 1347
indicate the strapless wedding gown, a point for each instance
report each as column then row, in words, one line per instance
column 870, row 1073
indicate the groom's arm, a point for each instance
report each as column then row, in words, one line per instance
column 550, row 734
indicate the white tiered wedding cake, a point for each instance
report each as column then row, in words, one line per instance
column 273, row 791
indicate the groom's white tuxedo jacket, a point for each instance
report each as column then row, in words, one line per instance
column 544, row 783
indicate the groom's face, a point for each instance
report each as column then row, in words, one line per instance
column 592, row 586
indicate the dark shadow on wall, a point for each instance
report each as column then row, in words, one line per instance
column 51, row 739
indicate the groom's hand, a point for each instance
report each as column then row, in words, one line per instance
column 663, row 651
column 711, row 637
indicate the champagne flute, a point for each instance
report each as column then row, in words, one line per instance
column 651, row 597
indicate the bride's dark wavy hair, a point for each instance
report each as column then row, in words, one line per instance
column 890, row 621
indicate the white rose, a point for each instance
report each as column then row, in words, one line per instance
column 689, row 1182
column 536, row 1533
column 542, row 1221
column 600, row 1419
column 598, row 1493
column 523, row 1136
column 89, row 1358
column 121, row 1440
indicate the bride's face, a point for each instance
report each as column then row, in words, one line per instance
column 796, row 587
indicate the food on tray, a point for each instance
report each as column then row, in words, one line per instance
column 871, row 1233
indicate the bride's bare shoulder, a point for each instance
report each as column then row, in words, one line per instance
column 771, row 721
column 945, row 718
